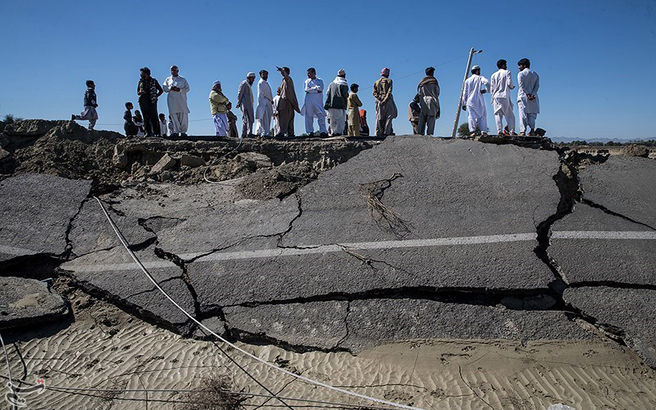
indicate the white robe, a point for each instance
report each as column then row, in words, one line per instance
column 264, row 109
column 500, row 86
column 313, row 106
column 528, row 83
column 276, row 120
column 475, row 102
column 177, row 100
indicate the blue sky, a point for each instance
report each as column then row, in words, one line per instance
column 592, row 56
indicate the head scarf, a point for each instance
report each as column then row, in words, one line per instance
column 215, row 83
column 341, row 72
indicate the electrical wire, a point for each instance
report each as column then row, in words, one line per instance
column 11, row 383
column 85, row 390
column 252, row 356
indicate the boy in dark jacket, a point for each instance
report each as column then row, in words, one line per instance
column 90, row 106
column 129, row 126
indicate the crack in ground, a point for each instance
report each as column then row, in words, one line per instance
column 569, row 186
column 162, row 254
column 509, row 298
column 262, row 339
column 68, row 249
column 346, row 326
column 612, row 284
column 593, row 204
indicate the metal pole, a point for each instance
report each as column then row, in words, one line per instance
column 462, row 90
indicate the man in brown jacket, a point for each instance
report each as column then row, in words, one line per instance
column 429, row 101
column 287, row 104
column 385, row 108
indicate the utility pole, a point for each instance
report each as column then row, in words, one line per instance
column 462, row 90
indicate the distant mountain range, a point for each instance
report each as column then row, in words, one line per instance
column 603, row 140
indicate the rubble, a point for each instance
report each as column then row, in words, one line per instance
column 27, row 302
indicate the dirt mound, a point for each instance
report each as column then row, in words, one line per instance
column 277, row 182
column 60, row 148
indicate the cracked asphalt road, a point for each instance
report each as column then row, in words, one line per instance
column 300, row 282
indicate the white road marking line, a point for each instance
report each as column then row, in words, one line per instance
column 604, row 235
column 410, row 243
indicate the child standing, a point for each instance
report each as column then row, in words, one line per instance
column 90, row 106
column 139, row 122
column 232, row 123
column 129, row 126
column 414, row 111
column 353, row 104
column 162, row 125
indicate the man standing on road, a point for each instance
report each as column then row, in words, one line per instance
column 385, row 107
column 177, row 88
column 336, row 98
column 287, row 104
column 313, row 106
column 245, row 102
column 148, row 91
column 264, row 109
column 219, row 108
column 500, row 85
column 429, row 102
column 527, row 96
column 474, row 103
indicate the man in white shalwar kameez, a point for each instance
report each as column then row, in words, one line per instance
column 264, row 109
column 473, row 101
column 528, row 83
column 500, row 85
column 176, row 88
column 313, row 106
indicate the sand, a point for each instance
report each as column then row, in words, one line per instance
column 106, row 348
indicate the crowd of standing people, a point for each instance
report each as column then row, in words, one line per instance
column 274, row 114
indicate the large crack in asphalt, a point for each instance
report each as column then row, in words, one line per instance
column 602, row 208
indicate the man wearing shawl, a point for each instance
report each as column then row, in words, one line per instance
column 313, row 106
column 245, row 102
column 177, row 88
column 385, row 108
column 474, row 103
column 264, row 109
column 428, row 91
column 219, row 108
column 287, row 104
column 336, row 99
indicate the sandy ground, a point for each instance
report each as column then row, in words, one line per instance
column 106, row 348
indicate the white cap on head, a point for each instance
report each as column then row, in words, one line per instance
column 341, row 72
column 476, row 68
column 250, row 74
column 216, row 83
